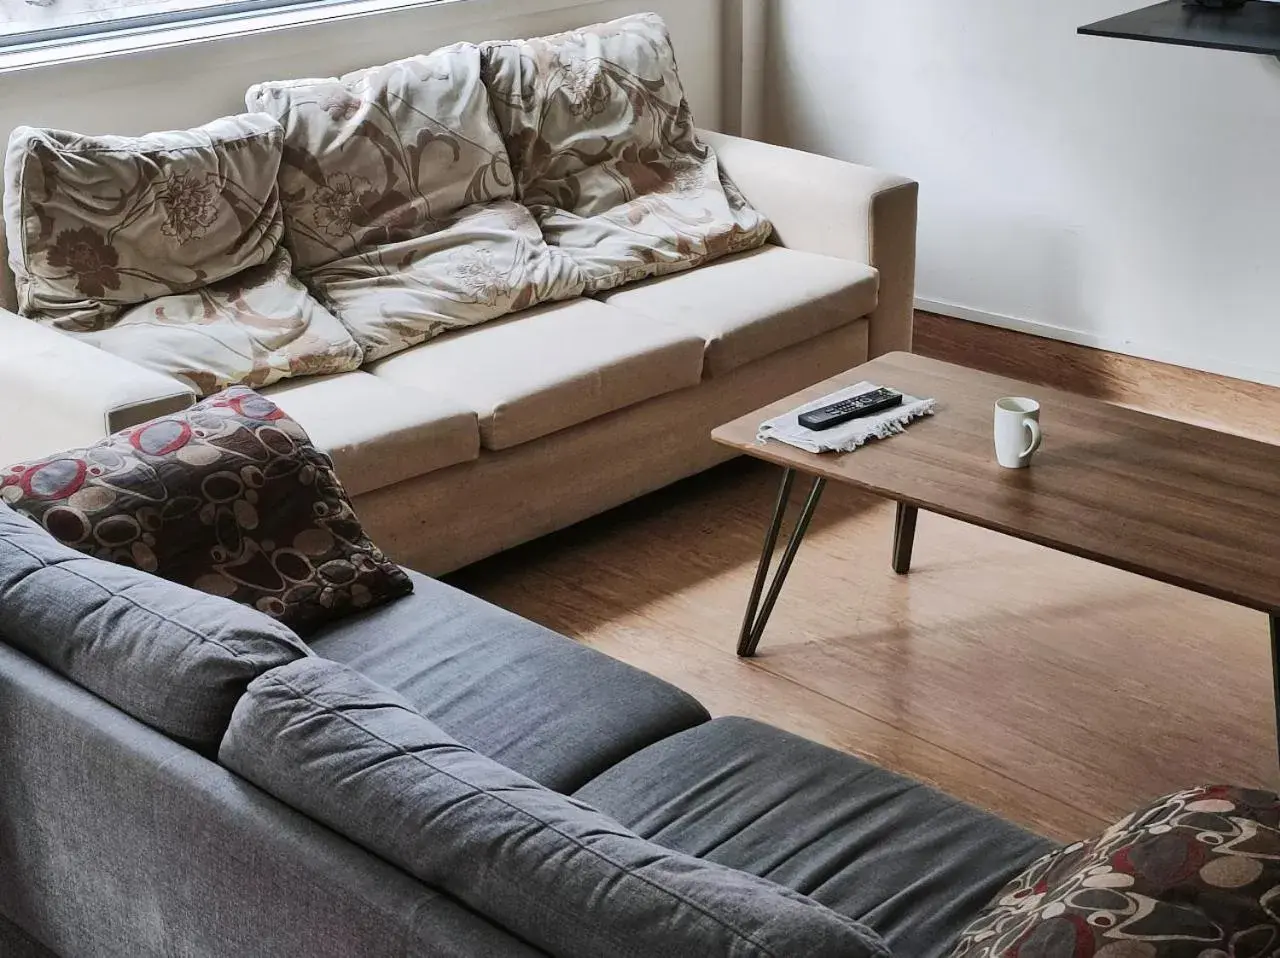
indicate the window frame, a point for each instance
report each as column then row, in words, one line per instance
column 153, row 22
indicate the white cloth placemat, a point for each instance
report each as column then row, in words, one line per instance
column 850, row 435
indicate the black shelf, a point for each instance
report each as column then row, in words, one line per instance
column 1253, row 28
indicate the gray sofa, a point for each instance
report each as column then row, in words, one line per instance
column 116, row 840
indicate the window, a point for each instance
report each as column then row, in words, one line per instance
column 33, row 21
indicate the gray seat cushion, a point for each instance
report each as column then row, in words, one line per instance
column 169, row 656
column 357, row 757
column 533, row 700
column 909, row 862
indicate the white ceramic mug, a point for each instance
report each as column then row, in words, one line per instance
column 1017, row 431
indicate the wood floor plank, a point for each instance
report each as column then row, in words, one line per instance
column 1055, row 691
column 649, row 638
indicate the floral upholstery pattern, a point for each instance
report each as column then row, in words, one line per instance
column 254, row 328
column 605, row 154
column 395, row 179
column 229, row 497
column 166, row 250
column 1193, row 875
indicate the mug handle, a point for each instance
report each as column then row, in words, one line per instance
column 1034, row 428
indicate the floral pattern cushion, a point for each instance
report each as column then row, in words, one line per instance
column 228, row 497
column 398, row 201
column 605, row 153
column 165, row 249
column 254, row 328
column 481, row 263
column 1194, row 875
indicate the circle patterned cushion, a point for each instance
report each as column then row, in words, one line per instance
column 1194, row 875
column 229, row 497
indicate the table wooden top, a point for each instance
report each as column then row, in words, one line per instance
column 1179, row 503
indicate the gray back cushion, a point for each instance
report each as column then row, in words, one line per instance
column 356, row 756
column 171, row 657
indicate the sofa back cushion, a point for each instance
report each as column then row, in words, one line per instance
column 398, row 200
column 605, row 154
column 229, row 497
column 171, row 657
column 555, row 872
column 165, row 249
column 381, row 155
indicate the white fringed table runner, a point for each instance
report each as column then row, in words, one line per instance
column 850, row 435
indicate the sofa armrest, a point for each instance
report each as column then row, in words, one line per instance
column 822, row 205
column 57, row 392
column 181, row 857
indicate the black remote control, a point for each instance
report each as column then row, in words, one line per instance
column 852, row 408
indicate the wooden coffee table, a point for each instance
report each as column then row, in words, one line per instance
column 1182, row 504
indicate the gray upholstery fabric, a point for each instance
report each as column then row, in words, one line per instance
column 908, row 861
column 16, row 943
column 172, row 657
column 358, row 757
column 116, row 842
column 533, row 700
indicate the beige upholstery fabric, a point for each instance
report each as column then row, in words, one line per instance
column 755, row 303
column 605, row 153
column 397, row 197
column 551, row 368
column 378, row 432
column 164, row 249
column 823, row 205
column 535, row 488
column 57, row 392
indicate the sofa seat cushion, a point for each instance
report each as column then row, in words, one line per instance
column 357, row 757
column 533, row 700
column 909, row 862
column 757, row 303
column 377, row 432
column 551, row 368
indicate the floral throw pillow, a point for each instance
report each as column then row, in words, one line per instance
column 605, row 153
column 398, row 201
column 1193, row 875
column 166, row 249
column 229, row 497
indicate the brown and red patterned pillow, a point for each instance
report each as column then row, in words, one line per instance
column 1195, row 874
column 229, row 497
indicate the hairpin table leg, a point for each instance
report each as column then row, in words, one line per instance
column 1275, row 673
column 904, row 537
column 757, row 616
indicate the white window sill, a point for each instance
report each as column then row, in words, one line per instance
column 52, row 53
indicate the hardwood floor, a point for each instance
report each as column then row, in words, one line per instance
column 1206, row 399
column 1052, row 690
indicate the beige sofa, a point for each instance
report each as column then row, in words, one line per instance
column 488, row 437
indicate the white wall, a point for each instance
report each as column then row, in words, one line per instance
column 1120, row 194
